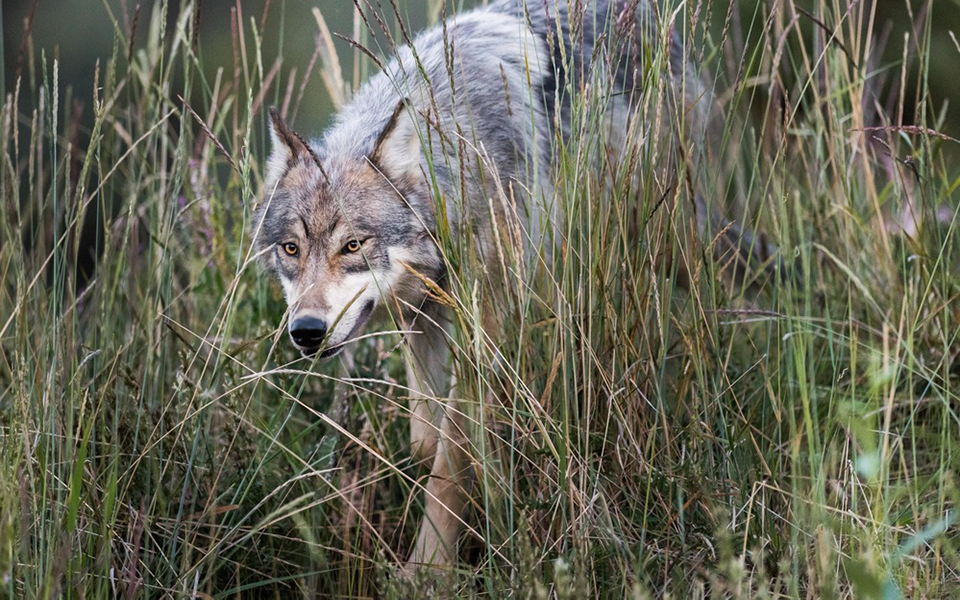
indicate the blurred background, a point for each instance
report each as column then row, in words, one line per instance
column 81, row 32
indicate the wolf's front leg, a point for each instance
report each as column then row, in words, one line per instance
column 446, row 499
column 429, row 379
column 437, row 439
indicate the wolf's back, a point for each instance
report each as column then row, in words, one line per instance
column 629, row 34
column 515, row 67
column 494, row 86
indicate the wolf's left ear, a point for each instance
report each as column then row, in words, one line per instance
column 286, row 146
column 397, row 149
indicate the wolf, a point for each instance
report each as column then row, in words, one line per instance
column 455, row 137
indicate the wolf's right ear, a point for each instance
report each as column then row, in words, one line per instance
column 396, row 153
column 286, row 146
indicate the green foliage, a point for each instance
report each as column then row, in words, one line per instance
column 648, row 430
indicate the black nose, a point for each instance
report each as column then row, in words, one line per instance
column 308, row 332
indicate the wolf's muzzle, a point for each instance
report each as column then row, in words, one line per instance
column 308, row 333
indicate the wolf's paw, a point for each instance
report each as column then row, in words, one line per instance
column 426, row 580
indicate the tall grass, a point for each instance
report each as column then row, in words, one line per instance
column 648, row 430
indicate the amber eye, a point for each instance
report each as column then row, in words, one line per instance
column 352, row 246
column 291, row 249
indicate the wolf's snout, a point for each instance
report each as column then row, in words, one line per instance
column 308, row 332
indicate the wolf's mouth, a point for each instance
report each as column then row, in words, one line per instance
column 336, row 349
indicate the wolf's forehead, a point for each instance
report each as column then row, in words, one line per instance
column 323, row 212
column 349, row 195
column 305, row 182
column 301, row 182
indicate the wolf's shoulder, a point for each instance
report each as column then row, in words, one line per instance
column 462, row 61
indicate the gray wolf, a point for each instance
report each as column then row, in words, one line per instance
column 455, row 138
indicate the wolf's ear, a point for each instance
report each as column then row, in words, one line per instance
column 286, row 145
column 397, row 149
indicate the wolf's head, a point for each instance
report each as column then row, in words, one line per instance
column 348, row 236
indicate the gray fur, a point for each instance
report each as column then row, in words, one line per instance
column 465, row 102
column 471, row 121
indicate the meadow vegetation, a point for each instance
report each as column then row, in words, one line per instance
column 652, row 428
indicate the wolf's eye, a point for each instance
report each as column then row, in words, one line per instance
column 351, row 247
column 291, row 249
